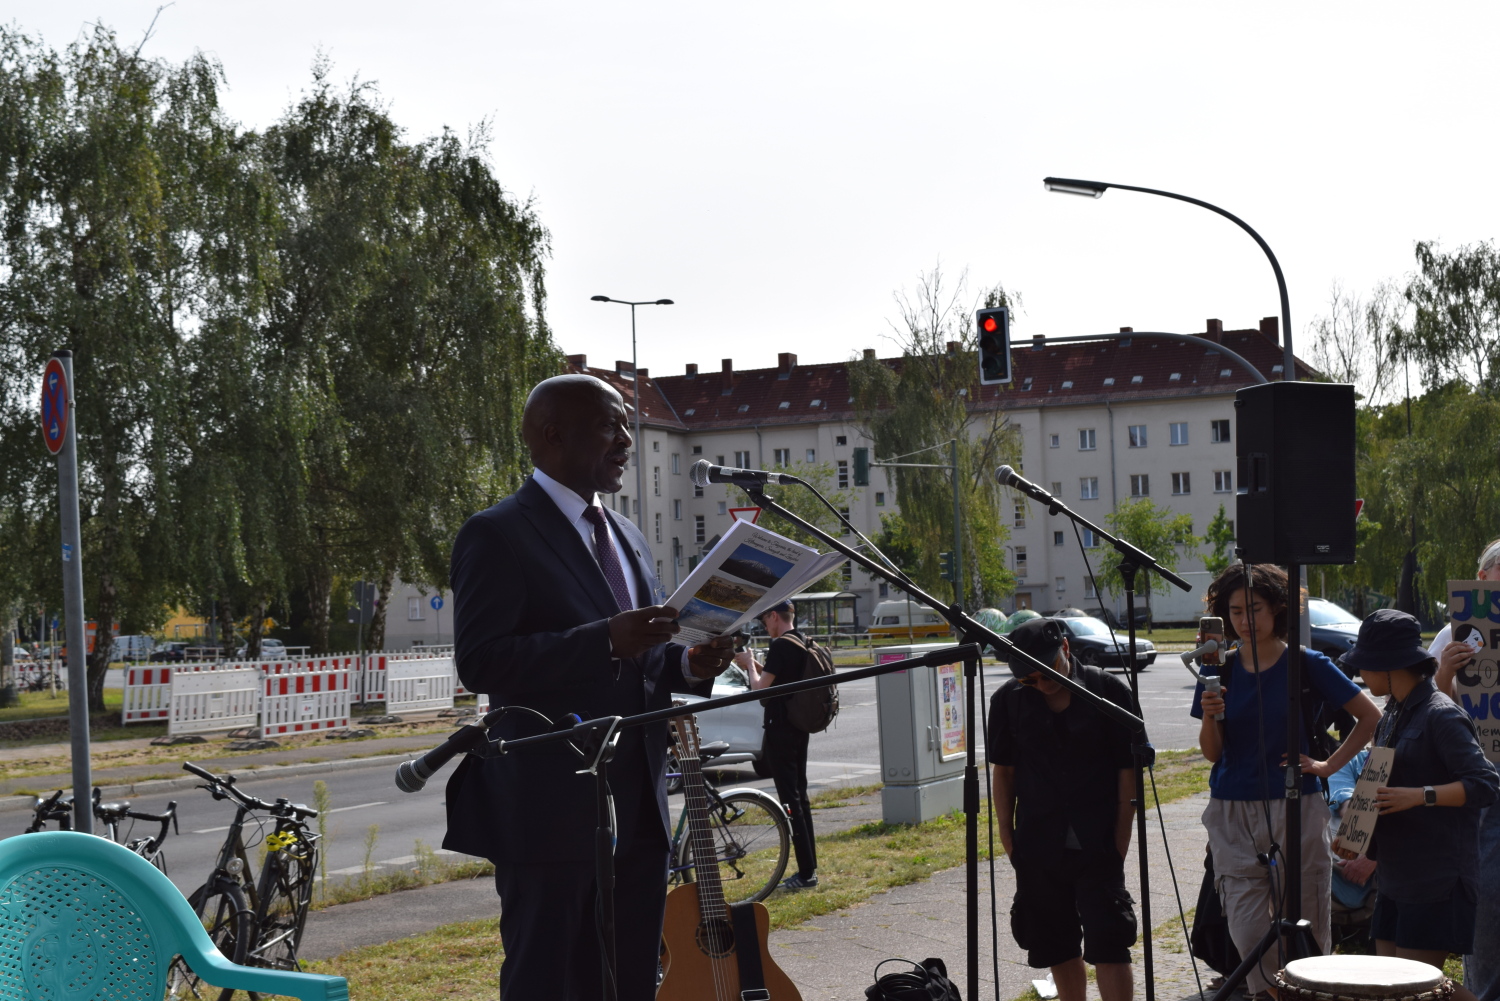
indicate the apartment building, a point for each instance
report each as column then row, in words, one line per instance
column 1100, row 423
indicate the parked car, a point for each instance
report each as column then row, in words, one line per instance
column 1117, row 621
column 1334, row 628
column 169, row 653
column 890, row 618
column 738, row 726
column 134, row 648
column 1093, row 642
column 270, row 649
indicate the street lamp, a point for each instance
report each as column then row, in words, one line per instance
column 640, row 482
column 1096, row 189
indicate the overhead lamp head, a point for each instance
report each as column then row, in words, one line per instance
column 664, row 302
column 1072, row 186
column 600, row 298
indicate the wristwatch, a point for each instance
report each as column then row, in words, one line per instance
column 1429, row 796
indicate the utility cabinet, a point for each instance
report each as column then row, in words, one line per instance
column 923, row 736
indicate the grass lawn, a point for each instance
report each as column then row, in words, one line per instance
column 461, row 961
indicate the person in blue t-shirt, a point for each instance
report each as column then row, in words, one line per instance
column 1247, row 809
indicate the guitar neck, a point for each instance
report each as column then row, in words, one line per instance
column 700, row 833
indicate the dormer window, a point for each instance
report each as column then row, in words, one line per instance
column 1109, row 381
column 784, row 404
column 744, row 407
column 1136, row 380
column 1175, row 377
column 1225, row 373
column 1067, row 384
column 689, row 411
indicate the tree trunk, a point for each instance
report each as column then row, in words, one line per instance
column 104, row 640
column 227, row 632
column 257, row 629
column 376, row 639
column 1406, row 596
column 319, row 597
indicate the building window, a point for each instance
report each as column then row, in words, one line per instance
column 697, row 449
column 658, row 569
column 1020, row 561
column 812, row 455
column 1057, row 488
column 1086, row 440
column 1055, row 440
column 658, row 528
column 1140, row 485
column 1057, row 538
column 880, row 498
column 656, row 480
column 723, row 507
column 741, row 459
column 1088, row 488
column 1179, row 433
column 692, row 562
column 699, row 535
column 1181, row 484
column 885, row 589
column 1223, row 481
column 624, row 507
column 783, row 456
column 841, row 440
column 697, row 490
column 677, row 510
column 1090, row 540
column 1090, row 588
column 1218, row 431
column 1137, row 436
column 676, row 463
column 656, row 446
column 1020, row 521
column 846, row 574
column 844, row 515
column 843, row 474
column 1061, row 584
column 414, row 609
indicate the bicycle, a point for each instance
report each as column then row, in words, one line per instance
column 58, row 808
column 751, row 831
column 253, row 921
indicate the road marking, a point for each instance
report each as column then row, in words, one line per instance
column 212, row 830
column 361, row 806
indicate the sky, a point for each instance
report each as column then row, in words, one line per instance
column 783, row 170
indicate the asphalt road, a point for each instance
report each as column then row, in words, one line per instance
column 846, row 754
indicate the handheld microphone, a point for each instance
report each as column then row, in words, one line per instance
column 412, row 775
column 704, row 472
column 1008, row 477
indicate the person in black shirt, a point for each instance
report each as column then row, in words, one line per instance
column 1063, row 783
column 785, row 746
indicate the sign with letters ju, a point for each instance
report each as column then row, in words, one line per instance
column 1474, row 613
column 1360, row 813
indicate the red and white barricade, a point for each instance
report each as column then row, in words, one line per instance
column 372, row 678
column 218, row 697
column 148, row 694
column 417, row 683
column 305, row 695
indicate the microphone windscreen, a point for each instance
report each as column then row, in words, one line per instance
column 699, row 473
column 1005, row 476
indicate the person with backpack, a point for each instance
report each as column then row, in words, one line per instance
column 1246, row 812
column 787, row 659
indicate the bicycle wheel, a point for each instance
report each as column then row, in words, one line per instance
column 753, row 839
column 221, row 907
column 286, row 885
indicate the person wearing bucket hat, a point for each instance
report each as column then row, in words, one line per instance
column 1427, row 837
column 1063, row 778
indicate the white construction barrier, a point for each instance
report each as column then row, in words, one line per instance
column 372, row 678
column 220, row 697
column 417, row 683
column 148, row 694
column 306, row 695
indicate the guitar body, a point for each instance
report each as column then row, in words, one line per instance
column 691, row 948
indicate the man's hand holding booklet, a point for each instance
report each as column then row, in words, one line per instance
column 748, row 571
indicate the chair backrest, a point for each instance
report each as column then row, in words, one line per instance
column 82, row 918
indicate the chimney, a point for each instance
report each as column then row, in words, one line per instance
column 692, row 371
column 1127, row 330
column 952, row 348
column 578, row 361
column 621, row 367
column 1215, row 330
column 869, row 354
column 644, row 373
column 728, row 383
column 1270, row 328
column 786, row 361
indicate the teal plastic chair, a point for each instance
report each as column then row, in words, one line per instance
column 85, row 919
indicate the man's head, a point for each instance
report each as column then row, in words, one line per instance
column 578, row 432
column 1046, row 640
column 779, row 619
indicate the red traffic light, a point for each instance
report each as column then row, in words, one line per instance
column 990, row 326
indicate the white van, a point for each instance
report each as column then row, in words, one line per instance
column 890, row 618
column 133, row 648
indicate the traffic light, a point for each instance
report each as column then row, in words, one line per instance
column 861, row 467
column 994, row 345
column 945, row 565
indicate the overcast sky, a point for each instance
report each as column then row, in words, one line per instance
column 780, row 169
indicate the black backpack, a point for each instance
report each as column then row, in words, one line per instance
column 928, row 982
column 813, row 711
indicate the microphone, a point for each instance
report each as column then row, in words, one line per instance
column 704, row 472
column 1008, row 477
column 412, row 775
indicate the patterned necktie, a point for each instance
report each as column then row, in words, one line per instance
column 609, row 561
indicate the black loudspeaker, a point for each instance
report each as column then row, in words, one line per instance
column 1295, row 499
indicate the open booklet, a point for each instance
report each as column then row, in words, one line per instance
column 748, row 571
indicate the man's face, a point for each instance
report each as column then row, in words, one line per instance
column 1061, row 664
column 590, row 443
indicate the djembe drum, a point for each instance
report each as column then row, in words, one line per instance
column 1362, row 978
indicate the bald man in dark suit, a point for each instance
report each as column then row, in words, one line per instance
column 557, row 609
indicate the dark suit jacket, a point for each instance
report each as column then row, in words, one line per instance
column 531, row 611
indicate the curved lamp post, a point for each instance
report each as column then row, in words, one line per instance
column 640, row 482
column 1096, row 189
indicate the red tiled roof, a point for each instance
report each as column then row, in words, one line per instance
column 1056, row 375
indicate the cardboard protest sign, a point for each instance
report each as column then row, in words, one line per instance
column 1361, row 812
column 1474, row 613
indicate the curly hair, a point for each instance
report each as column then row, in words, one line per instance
column 1266, row 579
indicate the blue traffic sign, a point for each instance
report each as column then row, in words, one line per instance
column 437, row 603
column 54, row 406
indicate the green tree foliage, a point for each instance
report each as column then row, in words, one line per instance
column 911, row 408
column 1218, row 539
column 1454, row 333
column 1166, row 535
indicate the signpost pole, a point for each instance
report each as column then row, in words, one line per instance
column 72, row 574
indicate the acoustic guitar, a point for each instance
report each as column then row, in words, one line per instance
column 705, row 958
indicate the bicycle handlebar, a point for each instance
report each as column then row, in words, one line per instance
column 223, row 786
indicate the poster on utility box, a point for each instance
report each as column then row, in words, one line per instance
column 1474, row 612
